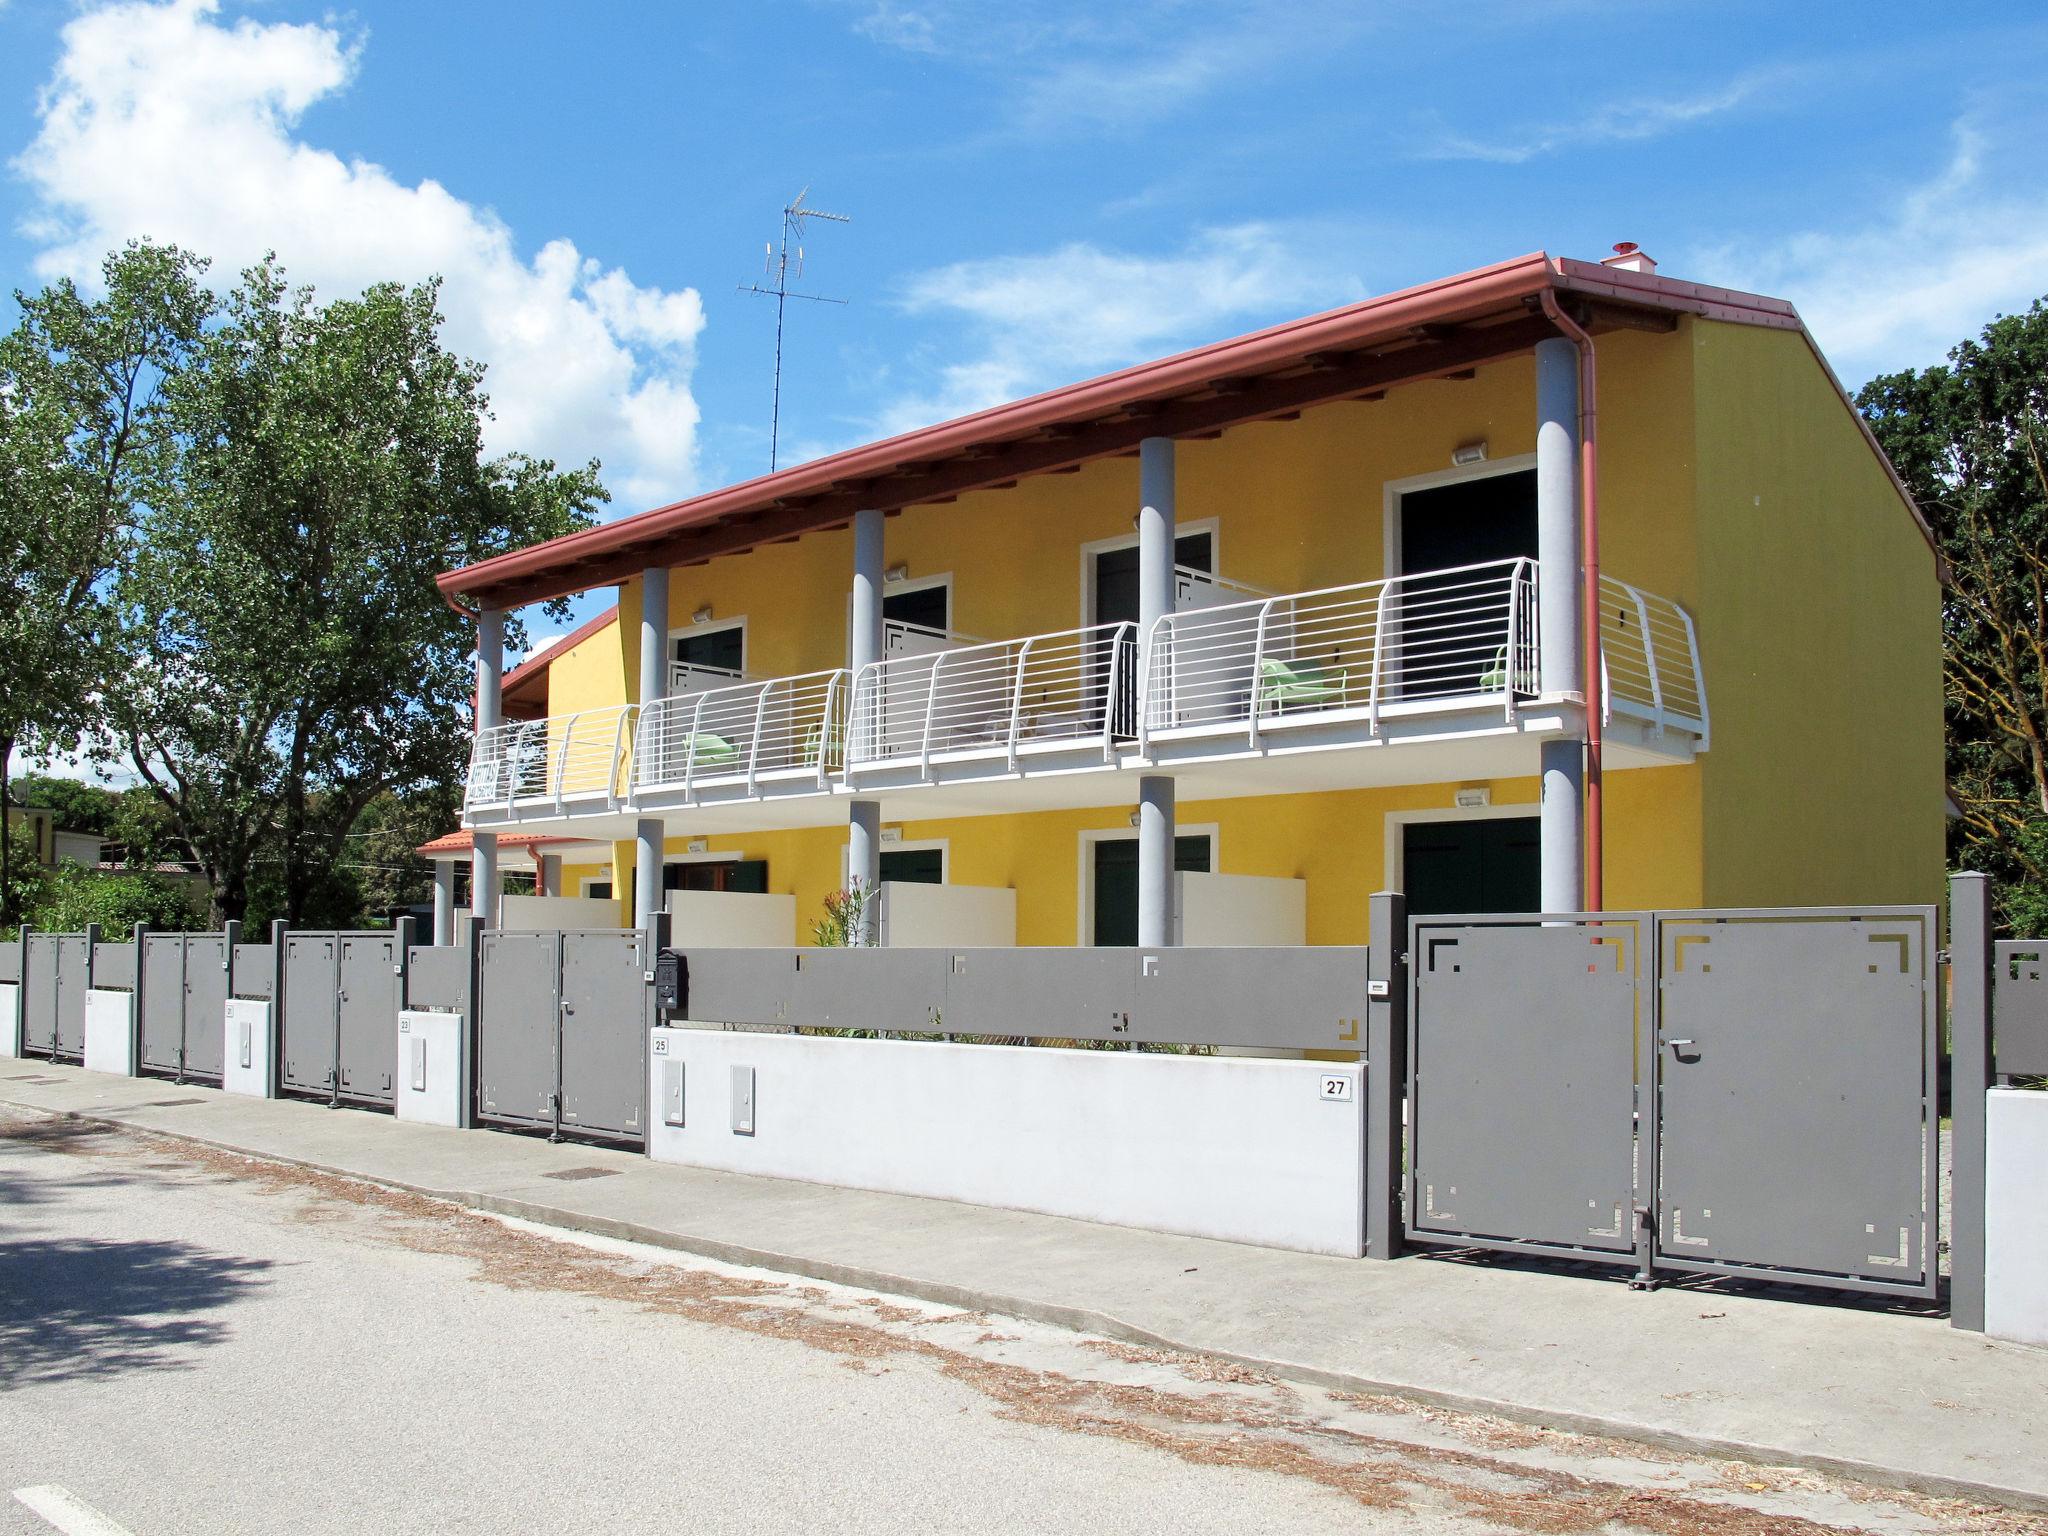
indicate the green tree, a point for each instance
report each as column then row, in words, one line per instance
column 292, row 658
column 69, row 898
column 1970, row 439
column 83, row 437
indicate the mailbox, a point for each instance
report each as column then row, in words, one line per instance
column 671, row 982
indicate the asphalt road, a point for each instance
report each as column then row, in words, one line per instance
column 196, row 1342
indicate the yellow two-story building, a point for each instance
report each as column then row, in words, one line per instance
column 1553, row 586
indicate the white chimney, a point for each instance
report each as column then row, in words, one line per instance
column 1630, row 257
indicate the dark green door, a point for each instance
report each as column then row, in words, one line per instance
column 1116, row 884
column 1491, row 865
column 917, row 866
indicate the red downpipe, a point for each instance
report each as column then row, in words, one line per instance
column 1589, row 576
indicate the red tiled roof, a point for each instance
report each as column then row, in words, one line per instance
column 462, row 841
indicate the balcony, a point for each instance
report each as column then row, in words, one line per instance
column 1259, row 694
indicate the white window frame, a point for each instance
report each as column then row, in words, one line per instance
column 1209, row 525
column 909, row 584
column 714, row 626
column 944, row 845
column 1397, row 821
column 1393, row 490
column 585, row 882
column 1084, row 927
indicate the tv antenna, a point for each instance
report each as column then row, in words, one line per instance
column 777, row 265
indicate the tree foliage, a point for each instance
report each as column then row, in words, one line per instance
column 68, row 898
column 1970, row 439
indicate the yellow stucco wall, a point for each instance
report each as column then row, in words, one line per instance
column 1733, row 479
column 1819, row 617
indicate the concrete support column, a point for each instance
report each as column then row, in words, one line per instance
column 647, row 894
column 1155, row 860
column 444, row 901
column 490, row 714
column 1559, row 597
column 653, row 633
column 1155, row 601
column 864, row 859
column 550, row 882
column 1971, row 1065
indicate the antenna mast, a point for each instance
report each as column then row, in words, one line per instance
column 777, row 266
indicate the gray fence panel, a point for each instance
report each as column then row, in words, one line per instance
column 206, row 997
column 368, row 1001
column 437, row 976
column 2019, row 1008
column 739, row 986
column 162, row 1020
column 39, row 995
column 255, row 971
column 1310, row 998
column 518, row 1028
column 311, row 981
column 1522, row 1083
column 113, row 967
column 1042, row 994
column 1797, row 1061
column 893, row 991
column 605, row 1012
column 74, row 968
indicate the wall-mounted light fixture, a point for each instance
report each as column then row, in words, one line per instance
column 702, row 615
column 1469, row 453
column 1472, row 799
column 896, row 573
column 697, row 845
column 892, row 835
column 1134, row 818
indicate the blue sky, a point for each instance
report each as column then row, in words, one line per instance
column 1040, row 192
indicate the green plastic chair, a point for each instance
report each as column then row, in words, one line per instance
column 1297, row 684
column 707, row 751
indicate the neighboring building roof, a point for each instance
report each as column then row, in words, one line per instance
column 1440, row 329
column 524, row 691
column 463, row 841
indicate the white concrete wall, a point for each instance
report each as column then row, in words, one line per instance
column 433, row 1050
column 10, row 1020
column 1244, row 1150
column 110, row 1032
column 2016, row 1214
column 732, row 919
column 246, row 1064
column 914, row 915
column 1238, row 910
column 544, row 912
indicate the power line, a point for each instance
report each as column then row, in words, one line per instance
column 777, row 265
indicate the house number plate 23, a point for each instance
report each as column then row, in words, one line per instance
column 1337, row 1090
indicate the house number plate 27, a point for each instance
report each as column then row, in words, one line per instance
column 1337, row 1090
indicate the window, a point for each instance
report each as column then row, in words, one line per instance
column 723, row 647
column 749, row 875
column 1115, row 872
column 915, row 866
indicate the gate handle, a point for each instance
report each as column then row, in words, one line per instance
column 1676, row 1045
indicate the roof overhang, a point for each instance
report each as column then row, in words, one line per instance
column 1442, row 329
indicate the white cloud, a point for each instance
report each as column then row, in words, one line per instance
column 1624, row 120
column 162, row 120
column 1030, row 322
column 1906, row 285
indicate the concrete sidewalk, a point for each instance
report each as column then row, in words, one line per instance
column 1889, row 1396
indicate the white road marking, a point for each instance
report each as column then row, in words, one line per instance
column 68, row 1512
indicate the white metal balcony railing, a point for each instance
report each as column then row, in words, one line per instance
column 1006, row 698
column 777, row 729
column 562, row 759
column 1434, row 643
column 696, row 676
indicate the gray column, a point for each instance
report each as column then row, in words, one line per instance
column 490, row 714
column 1969, row 1080
column 864, row 859
column 1559, row 591
column 1386, row 1071
column 653, row 633
column 550, row 880
column 444, row 901
column 1155, row 600
column 648, row 834
column 864, row 817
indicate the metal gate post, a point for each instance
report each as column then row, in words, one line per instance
column 555, row 1100
column 21, row 994
column 1386, row 1071
column 1969, row 1079
column 275, row 1087
column 136, row 1002
column 1648, row 1212
column 470, row 934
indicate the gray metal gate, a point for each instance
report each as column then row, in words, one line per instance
column 184, row 980
column 1734, row 1092
column 342, row 995
column 2019, row 1002
column 1522, row 1083
column 561, row 1033
column 57, row 974
column 1796, row 1062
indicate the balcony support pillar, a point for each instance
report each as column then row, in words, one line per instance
column 549, row 880
column 1156, row 517
column 867, row 589
column 648, row 834
column 490, row 714
column 444, row 901
column 864, row 862
column 653, row 634
column 1155, row 861
column 1559, row 597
